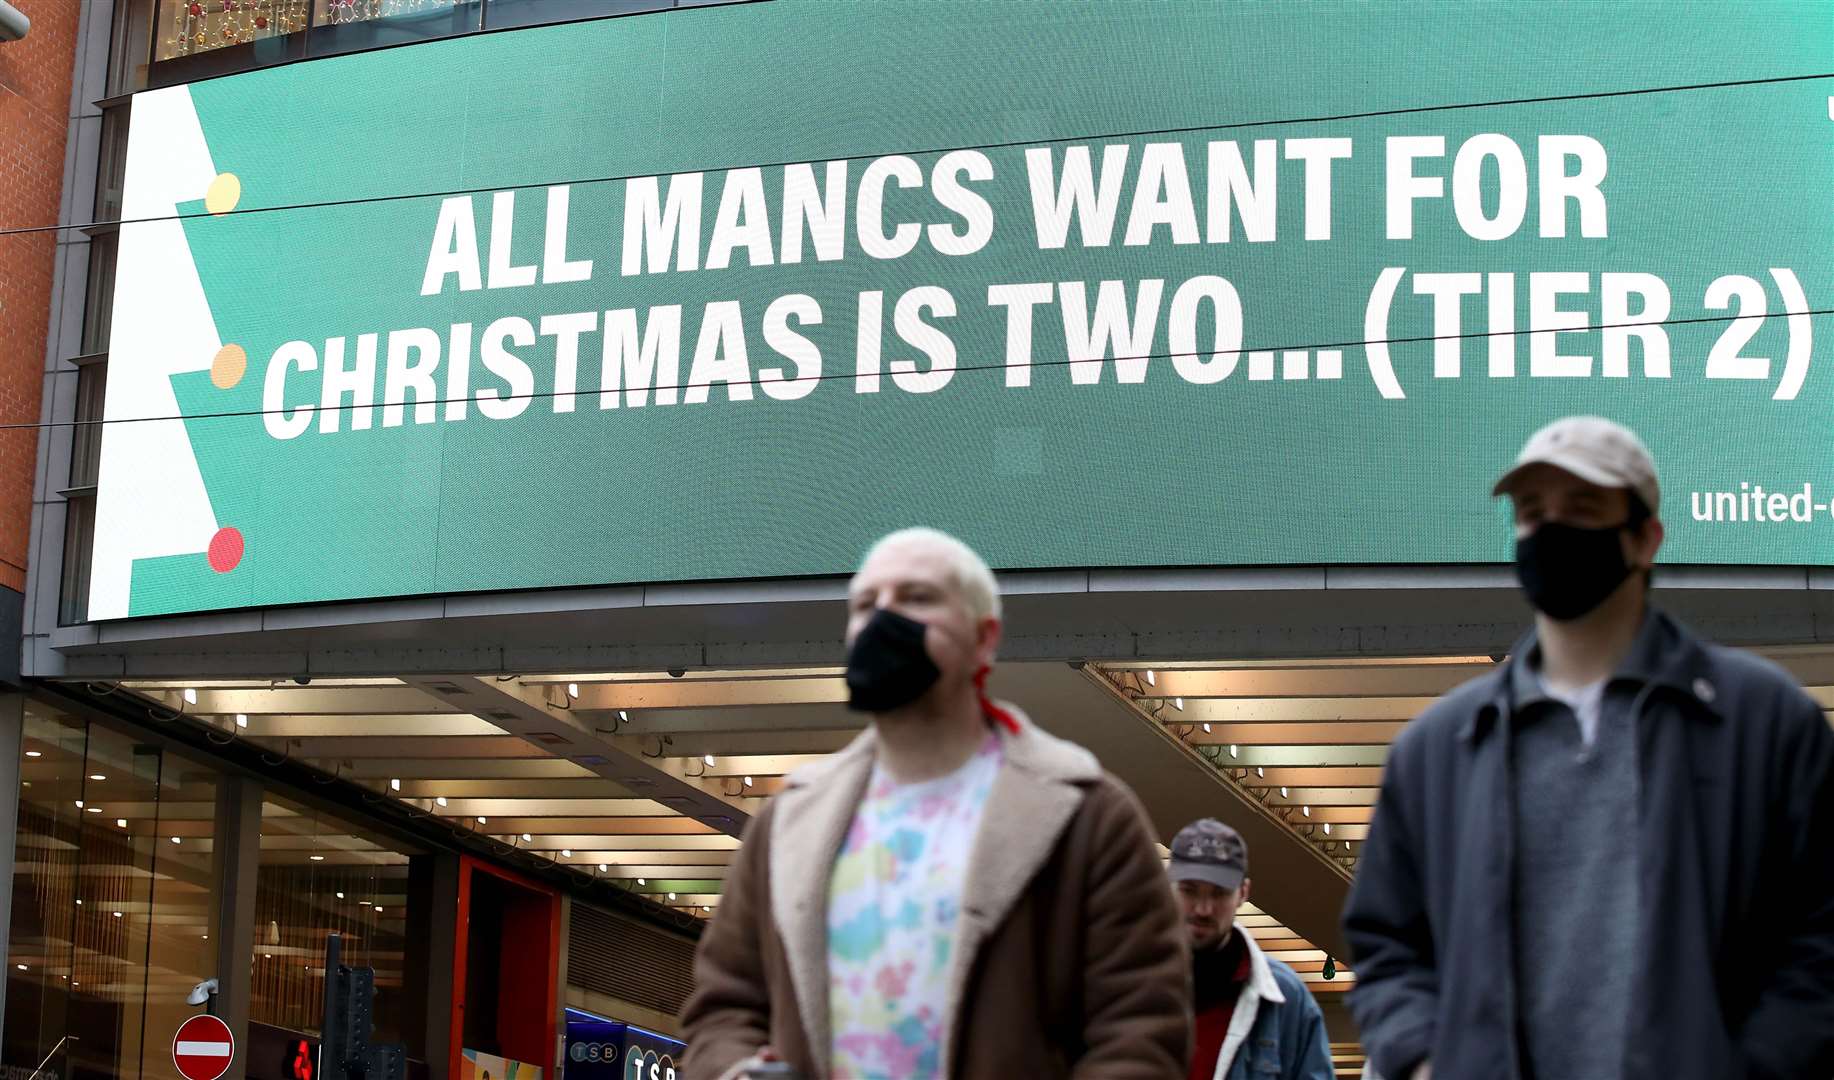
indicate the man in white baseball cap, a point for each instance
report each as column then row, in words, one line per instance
column 1613, row 855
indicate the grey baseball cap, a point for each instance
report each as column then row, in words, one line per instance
column 1208, row 850
column 1594, row 449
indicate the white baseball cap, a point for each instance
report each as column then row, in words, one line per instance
column 1594, row 449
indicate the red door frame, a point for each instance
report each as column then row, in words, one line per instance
column 460, row 957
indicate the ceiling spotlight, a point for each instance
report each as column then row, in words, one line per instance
column 748, row 781
column 671, row 896
column 566, row 853
column 1178, row 701
column 1261, row 772
column 640, row 881
column 1206, row 728
column 527, row 839
column 117, row 914
column 79, row 804
column 176, row 840
column 241, row 719
column 318, row 858
column 623, row 716
column 33, row 753
column 97, row 776
column 1283, row 793
column 340, row 896
column 440, row 801
column 394, row 785
column 708, row 758
column 79, row 902
column 573, row 689
column 1327, row 828
column 121, row 823
column 95, row 809
column 1307, row 810
column 190, row 696
column 482, row 820
column 378, row 909
column 604, row 869
column 1151, row 679
column 706, row 909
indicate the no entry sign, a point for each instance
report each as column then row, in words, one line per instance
column 203, row 1048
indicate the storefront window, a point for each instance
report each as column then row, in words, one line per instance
column 191, row 27
column 321, row 875
column 188, row 27
column 110, row 900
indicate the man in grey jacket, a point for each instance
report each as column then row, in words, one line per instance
column 1612, row 857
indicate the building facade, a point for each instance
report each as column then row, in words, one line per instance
column 458, row 418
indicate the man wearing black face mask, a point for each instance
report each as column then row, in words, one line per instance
column 957, row 893
column 1612, row 857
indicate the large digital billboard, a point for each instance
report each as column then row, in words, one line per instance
column 725, row 293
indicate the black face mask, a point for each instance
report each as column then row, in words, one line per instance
column 1567, row 571
column 888, row 667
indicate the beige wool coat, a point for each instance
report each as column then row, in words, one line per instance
column 1071, row 960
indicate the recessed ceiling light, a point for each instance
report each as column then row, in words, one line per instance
column 33, row 753
column 97, row 776
column 94, row 809
column 21, row 967
column 318, row 858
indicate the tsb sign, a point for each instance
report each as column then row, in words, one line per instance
column 641, row 1064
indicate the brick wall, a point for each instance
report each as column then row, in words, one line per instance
column 35, row 76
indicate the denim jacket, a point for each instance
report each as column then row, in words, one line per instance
column 1277, row 1032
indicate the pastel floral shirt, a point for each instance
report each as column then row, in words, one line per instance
column 893, row 907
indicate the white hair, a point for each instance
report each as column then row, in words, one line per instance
column 973, row 580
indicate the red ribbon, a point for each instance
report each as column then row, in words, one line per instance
column 994, row 712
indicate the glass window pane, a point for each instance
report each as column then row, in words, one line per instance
column 110, row 917
column 190, row 27
column 119, row 800
column 44, row 892
column 321, row 875
column 348, row 25
column 180, row 953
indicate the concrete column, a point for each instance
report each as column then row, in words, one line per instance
column 238, row 858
